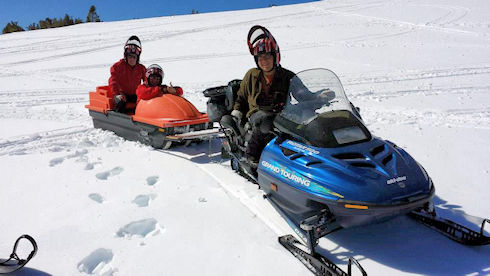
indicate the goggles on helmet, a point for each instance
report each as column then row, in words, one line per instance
column 154, row 70
column 132, row 49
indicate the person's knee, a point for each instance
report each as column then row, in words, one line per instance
column 262, row 121
column 258, row 117
column 119, row 104
column 266, row 126
column 227, row 121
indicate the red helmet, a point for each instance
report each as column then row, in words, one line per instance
column 260, row 40
column 154, row 69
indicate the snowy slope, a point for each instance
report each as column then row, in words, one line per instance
column 97, row 204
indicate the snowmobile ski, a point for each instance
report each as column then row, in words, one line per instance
column 14, row 262
column 451, row 229
column 316, row 263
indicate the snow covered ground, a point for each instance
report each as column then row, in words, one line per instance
column 97, row 204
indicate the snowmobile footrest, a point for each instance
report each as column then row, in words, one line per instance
column 316, row 263
column 453, row 230
column 318, row 226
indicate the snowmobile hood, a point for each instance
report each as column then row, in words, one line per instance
column 373, row 172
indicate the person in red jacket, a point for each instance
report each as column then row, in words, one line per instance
column 153, row 87
column 126, row 75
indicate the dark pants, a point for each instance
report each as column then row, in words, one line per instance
column 120, row 106
column 261, row 122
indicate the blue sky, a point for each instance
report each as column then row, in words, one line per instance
column 26, row 12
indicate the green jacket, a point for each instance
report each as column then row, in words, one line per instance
column 251, row 97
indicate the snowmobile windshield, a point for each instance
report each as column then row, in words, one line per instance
column 318, row 112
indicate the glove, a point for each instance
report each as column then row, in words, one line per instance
column 120, row 97
column 237, row 114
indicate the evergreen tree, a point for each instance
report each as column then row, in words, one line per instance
column 52, row 22
column 67, row 20
column 12, row 27
column 92, row 15
column 33, row 26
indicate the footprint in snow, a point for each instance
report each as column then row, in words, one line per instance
column 142, row 228
column 91, row 165
column 98, row 263
column 106, row 174
column 77, row 153
column 59, row 160
column 151, row 180
column 96, row 197
column 143, row 200
column 56, row 161
column 56, row 149
column 202, row 200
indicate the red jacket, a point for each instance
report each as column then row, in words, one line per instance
column 145, row 92
column 125, row 78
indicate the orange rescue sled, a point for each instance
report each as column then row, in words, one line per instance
column 158, row 122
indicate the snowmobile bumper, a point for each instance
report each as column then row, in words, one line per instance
column 350, row 213
column 299, row 205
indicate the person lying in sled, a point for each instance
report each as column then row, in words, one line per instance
column 263, row 92
column 126, row 75
column 153, row 87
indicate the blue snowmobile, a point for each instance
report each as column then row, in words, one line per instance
column 324, row 170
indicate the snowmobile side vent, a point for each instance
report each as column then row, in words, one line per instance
column 296, row 156
column 349, row 156
column 314, row 162
column 387, row 159
column 287, row 152
column 362, row 165
column 376, row 150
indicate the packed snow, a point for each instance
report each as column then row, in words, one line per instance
column 100, row 205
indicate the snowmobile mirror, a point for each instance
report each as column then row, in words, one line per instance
column 14, row 262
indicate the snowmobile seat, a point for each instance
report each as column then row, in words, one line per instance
column 221, row 99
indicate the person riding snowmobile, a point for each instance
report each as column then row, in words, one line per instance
column 263, row 92
column 153, row 87
column 127, row 74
